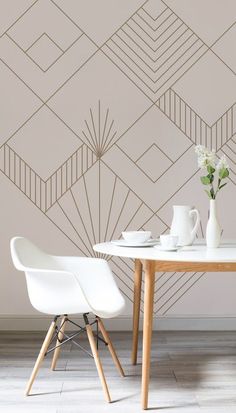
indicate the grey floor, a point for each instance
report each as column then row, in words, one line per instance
column 191, row 372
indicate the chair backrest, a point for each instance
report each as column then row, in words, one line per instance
column 51, row 289
column 25, row 255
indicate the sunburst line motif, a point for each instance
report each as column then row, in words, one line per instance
column 100, row 132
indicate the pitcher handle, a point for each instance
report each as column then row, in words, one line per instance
column 197, row 223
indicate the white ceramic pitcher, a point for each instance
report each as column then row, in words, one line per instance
column 183, row 225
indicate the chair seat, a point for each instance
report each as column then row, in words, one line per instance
column 65, row 307
column 97, row 283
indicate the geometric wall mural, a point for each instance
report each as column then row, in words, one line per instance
column 100, row 112
column 154, row 48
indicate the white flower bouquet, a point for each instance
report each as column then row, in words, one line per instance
column 208, row 160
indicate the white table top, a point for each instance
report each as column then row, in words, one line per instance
column 195, row 253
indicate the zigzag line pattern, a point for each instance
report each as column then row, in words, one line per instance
column 193, row 126
column 45, row 194
column 154, row 52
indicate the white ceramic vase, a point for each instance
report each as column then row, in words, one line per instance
column 213, row 230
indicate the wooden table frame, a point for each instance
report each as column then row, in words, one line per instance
column 150, row 267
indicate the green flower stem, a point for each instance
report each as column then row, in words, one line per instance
column 209, row 180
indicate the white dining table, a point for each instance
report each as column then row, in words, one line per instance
column 197, row 258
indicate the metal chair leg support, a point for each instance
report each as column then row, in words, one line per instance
column 63, row 338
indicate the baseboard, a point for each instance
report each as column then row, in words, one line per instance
column 124, row 323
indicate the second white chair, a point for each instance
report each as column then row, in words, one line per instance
column 62, row 286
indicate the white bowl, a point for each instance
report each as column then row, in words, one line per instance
column 136, row 236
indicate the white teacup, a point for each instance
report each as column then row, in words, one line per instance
column 169, row 241
column 136, row 236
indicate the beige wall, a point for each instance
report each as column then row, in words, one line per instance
column 102, row 103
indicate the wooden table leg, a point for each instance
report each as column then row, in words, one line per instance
column 147, row 327
column 136, row 308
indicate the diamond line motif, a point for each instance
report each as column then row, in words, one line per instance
column 106, row 185
column 154, row 56
column 153, row 162
column 44, row 52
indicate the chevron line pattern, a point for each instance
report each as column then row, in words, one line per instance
column 116, row 105
column 193, row 126
column 154, row 52
column 45, row 194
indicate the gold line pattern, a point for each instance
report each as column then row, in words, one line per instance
column 99, row 132
column 45, row 193
column 89, row 199
column 89, row 216
column 154, row 52
column 193, row 126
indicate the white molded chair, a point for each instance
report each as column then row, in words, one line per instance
column 62, row 286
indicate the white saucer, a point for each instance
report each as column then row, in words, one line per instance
column 124, row 243
column 160, row 248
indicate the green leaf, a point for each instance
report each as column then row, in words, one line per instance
column 211, row 177
column 221, row 186
column 208, row 193
column 223, row 173
column 210, row 169
column 205, row 180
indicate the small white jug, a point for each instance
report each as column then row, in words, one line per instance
column 182, row 224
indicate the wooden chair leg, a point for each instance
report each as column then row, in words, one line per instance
column 97, row 362
column 60, row 337
column 136, row 308
column 110, row 346
column 41, row 356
